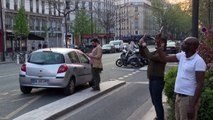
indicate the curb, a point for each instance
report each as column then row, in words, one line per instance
column 69, row 103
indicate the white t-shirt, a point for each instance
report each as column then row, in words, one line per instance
column 186, row 81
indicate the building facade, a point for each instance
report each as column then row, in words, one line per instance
column 45, row 24
column 134, row 18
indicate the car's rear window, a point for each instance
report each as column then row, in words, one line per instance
column 46, row 58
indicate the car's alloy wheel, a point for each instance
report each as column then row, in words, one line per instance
column 25, row 90
column 70, row 88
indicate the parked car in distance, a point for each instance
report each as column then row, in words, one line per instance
column 171, row 47
column 108, row 48
column 119, row 45
column 63, row 68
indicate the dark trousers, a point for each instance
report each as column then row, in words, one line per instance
column 96, row 77
column 156, row 88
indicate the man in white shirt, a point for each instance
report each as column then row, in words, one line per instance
column 190, row 78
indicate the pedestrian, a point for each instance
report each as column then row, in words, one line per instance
column 190, row 78
column 44, row 45
column 155, row 74
column 39, row 45
column 97, row 67
column 33, row 45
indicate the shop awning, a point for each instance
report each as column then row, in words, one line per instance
column 31, row 36
column 34, row 37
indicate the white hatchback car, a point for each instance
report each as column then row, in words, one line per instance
column 55, row 68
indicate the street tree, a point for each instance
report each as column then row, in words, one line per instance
column 21, row 27
column 64, row 8
column 176, row 22
column 106, row 17
column 82, row 24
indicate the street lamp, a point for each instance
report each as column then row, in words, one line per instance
column 2, row 31
column 195, row 10
column 65, row 13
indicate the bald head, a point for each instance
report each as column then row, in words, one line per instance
column 190, row 45
column 193, row 41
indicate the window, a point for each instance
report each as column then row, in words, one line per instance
column 76, row 5
column 15, row 4
column 8, row 22
column 37, row 6
column 50, row 11
column 83, row 58
column 43, row 24
column 43, row 9
column 37, row 24
column 32, row 23
column 136, row 8
column 8, row 4
column 90, row 5
column 31, row 5
column 23, row 3
column 83, row 5
column 46, row 58
column 73, row 57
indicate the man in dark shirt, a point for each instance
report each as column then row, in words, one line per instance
column 155, row 74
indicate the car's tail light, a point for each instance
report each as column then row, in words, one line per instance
column 23, row 67
column 62, row 68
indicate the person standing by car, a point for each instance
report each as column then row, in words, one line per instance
column 190, row 78
column 97, row 66
column 155, row 74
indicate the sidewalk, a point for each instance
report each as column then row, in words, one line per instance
column 58, row 108
column 151, row 113
column 7, row 60
column 63, row 106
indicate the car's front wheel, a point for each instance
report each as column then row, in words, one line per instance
column 25, row 90
column 70, row 88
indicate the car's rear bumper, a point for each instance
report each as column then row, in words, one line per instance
column 50, row 82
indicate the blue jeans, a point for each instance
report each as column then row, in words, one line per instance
column 156, row 88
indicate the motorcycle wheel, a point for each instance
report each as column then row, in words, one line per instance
column 119, row 62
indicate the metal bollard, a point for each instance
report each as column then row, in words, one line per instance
column 17, row 59
column 26, row 57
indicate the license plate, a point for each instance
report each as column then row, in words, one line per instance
column 39, row 81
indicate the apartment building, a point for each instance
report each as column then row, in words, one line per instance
column 134, row 18
column 100, row 12
column 45, row 24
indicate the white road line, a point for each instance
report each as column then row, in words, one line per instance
column 6, row 93
column 9, row 75
column 146, row 82
column 20, row 108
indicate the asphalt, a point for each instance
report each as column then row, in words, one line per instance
column 65, row 105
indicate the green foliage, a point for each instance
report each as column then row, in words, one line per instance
column 169, row 83
column 82, row 23
column 169, row 91
column 21, row 27
column 176, row 22
column 206, row 108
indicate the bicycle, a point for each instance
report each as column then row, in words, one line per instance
column 21, row 56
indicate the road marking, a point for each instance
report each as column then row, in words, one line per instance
column 121, row 78
column 20, row 108
column 6, row 93
column 9, row 75
column 22, row 99
column 146, row 82
column 124, row 69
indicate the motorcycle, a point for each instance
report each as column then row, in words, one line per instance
column 129, row 57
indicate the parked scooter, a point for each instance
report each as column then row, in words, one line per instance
column 129, row 57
